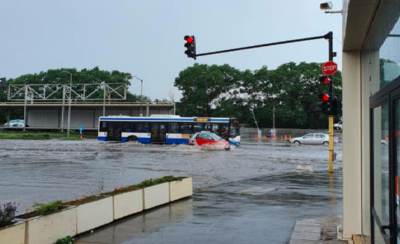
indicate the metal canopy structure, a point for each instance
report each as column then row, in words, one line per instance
column 57, row 92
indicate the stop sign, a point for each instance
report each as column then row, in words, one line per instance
column 329, row 68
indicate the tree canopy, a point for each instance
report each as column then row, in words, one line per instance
column 223, row 91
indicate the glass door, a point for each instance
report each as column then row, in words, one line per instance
column 396, row 146
column 158, row 132
column 380, row 175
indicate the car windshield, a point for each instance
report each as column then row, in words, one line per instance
column 216, row 137
column 13, row 121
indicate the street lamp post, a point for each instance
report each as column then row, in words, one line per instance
column 70, row 98
column 141, row 94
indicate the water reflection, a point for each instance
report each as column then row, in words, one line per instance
column 141, row 225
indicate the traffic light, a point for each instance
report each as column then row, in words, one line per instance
column 325, row 105
column 190, row 46
column 325, row 80
column 3, row 82
column 336, row 106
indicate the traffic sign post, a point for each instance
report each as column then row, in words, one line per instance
column 329, row 68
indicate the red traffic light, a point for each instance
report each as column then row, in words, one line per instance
column 188, row 39
column 325, row 80
column 324, row 97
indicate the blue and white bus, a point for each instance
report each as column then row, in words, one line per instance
column 168, row 129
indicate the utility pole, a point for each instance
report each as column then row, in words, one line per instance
column 69, row 104
column 141, row 94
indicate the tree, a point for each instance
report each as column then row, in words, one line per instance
column 203, row 87
column 224, row 91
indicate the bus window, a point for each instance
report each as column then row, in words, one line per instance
column 197, row 127
column 173, row 128
column 206, row 127
column 103, row 126
column 235, row 129
column 127, row 127
column 215, row 128
column 142, row 127
column 185, row 128
column 224, row 131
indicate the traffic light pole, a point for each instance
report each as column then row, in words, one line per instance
column 330, row 169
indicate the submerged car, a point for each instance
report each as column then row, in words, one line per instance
column 313, row 138
column 208, row 139
column 15, row 123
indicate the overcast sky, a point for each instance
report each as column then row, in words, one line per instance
column 145, row 38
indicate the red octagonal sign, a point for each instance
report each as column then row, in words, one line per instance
column 329, row 68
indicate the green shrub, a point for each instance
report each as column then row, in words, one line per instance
column 49, row 208
column 152, row 182
column 66, row 240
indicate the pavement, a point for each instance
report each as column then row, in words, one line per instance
column 317, row 231
column 296, row 208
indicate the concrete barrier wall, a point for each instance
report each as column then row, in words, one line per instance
column 88, row 118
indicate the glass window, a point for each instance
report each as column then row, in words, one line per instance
column 127, row 127
column 308, row 136
column 216, row 137
column 381, row 56
column 215, row 128
column 381, row 163
column 185, row 128
column 206, row 127
column 173, row 128
column 142, row 127
column 103, row 126
column 224, row 130
column 197, row 127
column 204, row 136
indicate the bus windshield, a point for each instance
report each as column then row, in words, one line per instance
column 235, row 129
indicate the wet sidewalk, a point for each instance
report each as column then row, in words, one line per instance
column 259, row 210
column 317, row 231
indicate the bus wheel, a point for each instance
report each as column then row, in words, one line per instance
column 132, row 138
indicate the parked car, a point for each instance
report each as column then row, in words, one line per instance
column 15, row 123
column 313, row 138
column 338, row 126
column 209, row 140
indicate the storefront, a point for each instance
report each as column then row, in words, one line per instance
column 371, row 143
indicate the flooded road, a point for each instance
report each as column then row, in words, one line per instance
column 44, row 171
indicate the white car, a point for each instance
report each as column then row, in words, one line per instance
column 313, row 138
column 338, row 126
column 15, row 123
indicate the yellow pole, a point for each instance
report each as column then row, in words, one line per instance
column 330, row 170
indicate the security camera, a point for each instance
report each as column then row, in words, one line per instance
column 326, row 6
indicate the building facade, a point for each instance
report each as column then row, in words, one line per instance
column 371, row 120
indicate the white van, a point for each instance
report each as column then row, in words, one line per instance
column 338, row 126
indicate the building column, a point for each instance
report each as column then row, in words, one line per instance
column 147, row 111
column 352, row 143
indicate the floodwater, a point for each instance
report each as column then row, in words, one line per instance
column 43, row 171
